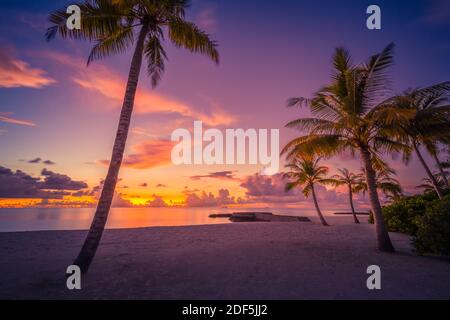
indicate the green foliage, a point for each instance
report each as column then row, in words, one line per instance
column 305, row 171
column 425, row 218
column 345, row 113
column 433, row 228
column 402, row 214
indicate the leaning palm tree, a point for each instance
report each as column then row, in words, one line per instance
column 423, row 115
column 353, row 182
column 305, row 172
column 115, row 26
column 428, row 186
column 433, row 150
column 345, row 118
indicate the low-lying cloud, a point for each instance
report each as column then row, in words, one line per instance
column 18, row 184
column 226, row 175
column 209, row 199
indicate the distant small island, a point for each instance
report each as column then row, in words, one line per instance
column 259, row 217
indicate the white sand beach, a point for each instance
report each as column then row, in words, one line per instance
column 234, row 261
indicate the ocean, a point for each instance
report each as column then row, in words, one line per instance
column 39, row 219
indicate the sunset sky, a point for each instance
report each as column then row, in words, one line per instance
column 58, row 117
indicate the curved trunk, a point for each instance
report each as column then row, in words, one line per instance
column 383, row 239
column 316, row 204
column 350, row 195
column 441, row 170
column 94, row 235
column 429, row 173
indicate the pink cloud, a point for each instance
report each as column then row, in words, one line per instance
column 147, row 154
column 120, row 202
column 208, row 200
column 271, row 189
column 110, row 84
column 16, row 73
column 157, row 202
column 5, row 117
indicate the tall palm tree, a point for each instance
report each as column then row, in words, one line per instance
column 423, row 115
column 115, row 26
column 353, row 183
column 345, row 118
column 305, row 172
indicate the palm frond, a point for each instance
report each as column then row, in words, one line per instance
column 100, row 19
column 188, row 35
column 297, row 101
column 156, row 57
column 320, row 145
column 377, row 82
column 115, row 43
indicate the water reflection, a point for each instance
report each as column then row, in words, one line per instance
column 80, row 218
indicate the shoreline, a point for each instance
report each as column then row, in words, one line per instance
column 223, row 261
column 80, row 219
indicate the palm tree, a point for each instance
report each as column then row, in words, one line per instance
column 115, row 26
column 345, row 118
column 306, row 172
column 353, row 182
column 389, row 186
column 433, row 150
column 428, row 186
column 423, row 115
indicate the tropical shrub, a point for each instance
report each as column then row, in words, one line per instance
column 433, row 228
column 401, row 216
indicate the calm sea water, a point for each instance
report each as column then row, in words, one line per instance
column 80, row 218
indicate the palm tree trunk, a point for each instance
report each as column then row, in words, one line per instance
column 383, row 239
column 429, row 173
column 350, row 195
column 94, row 235
column 441, row 169
column 322, row 219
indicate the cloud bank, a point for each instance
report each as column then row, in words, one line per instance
column 18, row 184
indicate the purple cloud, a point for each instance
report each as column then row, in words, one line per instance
column 56, row 181
column 209, row 200
column 215, row 175
column 36, row 160
column 18, row 184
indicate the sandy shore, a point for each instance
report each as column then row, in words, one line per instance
column 235, row 261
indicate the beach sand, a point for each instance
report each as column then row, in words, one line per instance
column 236, row 261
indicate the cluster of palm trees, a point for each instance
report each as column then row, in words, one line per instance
column 304, row 171
column 355, row 114
column 348, row 116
